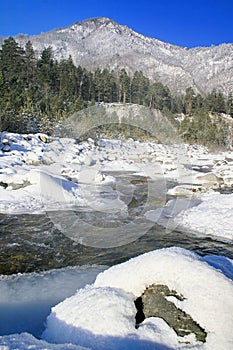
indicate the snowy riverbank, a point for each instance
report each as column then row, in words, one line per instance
column 40, row 174
column 93, row 307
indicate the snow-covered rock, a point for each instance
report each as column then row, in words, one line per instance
column 102, row 316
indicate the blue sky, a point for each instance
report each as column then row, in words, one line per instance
column 187, row 23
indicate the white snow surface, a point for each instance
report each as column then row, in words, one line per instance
column 209, row 214
column 41, row 174
column 38, row 176
column 212, row 217
column 102, row 315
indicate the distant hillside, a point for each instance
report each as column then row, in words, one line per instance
column 103, row 43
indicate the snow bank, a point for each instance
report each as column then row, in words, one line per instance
column 102, row 316
column 41, row 174
column 37, row 191
column 26, row 299
column 213, row 217
column 208, row 214
column 36, row 177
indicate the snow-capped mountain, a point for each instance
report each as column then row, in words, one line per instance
column 101, row 42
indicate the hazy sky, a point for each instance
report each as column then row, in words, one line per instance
column 187, row 23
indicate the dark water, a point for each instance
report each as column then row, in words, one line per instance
column 33, row 243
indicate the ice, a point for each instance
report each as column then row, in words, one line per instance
column 102, row 315
column 26, row 341
column 26, row 299
column 225, row 265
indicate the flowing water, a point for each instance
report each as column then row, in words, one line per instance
column 34, row 243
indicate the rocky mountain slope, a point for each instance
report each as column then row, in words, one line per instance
column 101, row 42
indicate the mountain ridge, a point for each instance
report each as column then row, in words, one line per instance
column 103, row 43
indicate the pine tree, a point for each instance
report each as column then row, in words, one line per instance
column 215, row 102
column 220, row 103
column 229, row 108
column 139, row 88
column 124, row 87
column 11, row 62
column 30, row 64
column 67, row 75
column 46, row 69
column 189, row 101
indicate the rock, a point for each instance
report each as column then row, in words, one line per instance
column 140, row 181
column 17, row 186
column 210, row 180
column 153, row 303
column 229, row 158
column 3, row 184
column 185, row 190
column 27, row 137
column 6, row 145
column 44, row 138
column 228, row 181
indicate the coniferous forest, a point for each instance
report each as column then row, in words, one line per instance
column 38, row 92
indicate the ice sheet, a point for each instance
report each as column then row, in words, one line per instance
column 26, row 299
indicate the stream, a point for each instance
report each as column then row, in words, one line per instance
column 33, row 242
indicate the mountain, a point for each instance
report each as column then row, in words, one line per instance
column 101, row 42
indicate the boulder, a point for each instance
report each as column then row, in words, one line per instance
column 154, row 303
column 185, row 190
column 210, row 179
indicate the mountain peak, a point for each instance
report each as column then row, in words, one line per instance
column 100, row 20
column 95, row 21
column 103, row 43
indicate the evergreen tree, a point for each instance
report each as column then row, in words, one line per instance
column 11, row 62
column 159, row 97
column 199, row 103
column 215, row 102
column 12, row 74
column 177, row 105
column 68, row 85
column 48, row 71
column 229, row 108
column 189, row 101
column 220, row 103
column 30, row 64
column 139, row 88
column 124, row 87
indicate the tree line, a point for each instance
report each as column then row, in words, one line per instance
column 37, row 92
